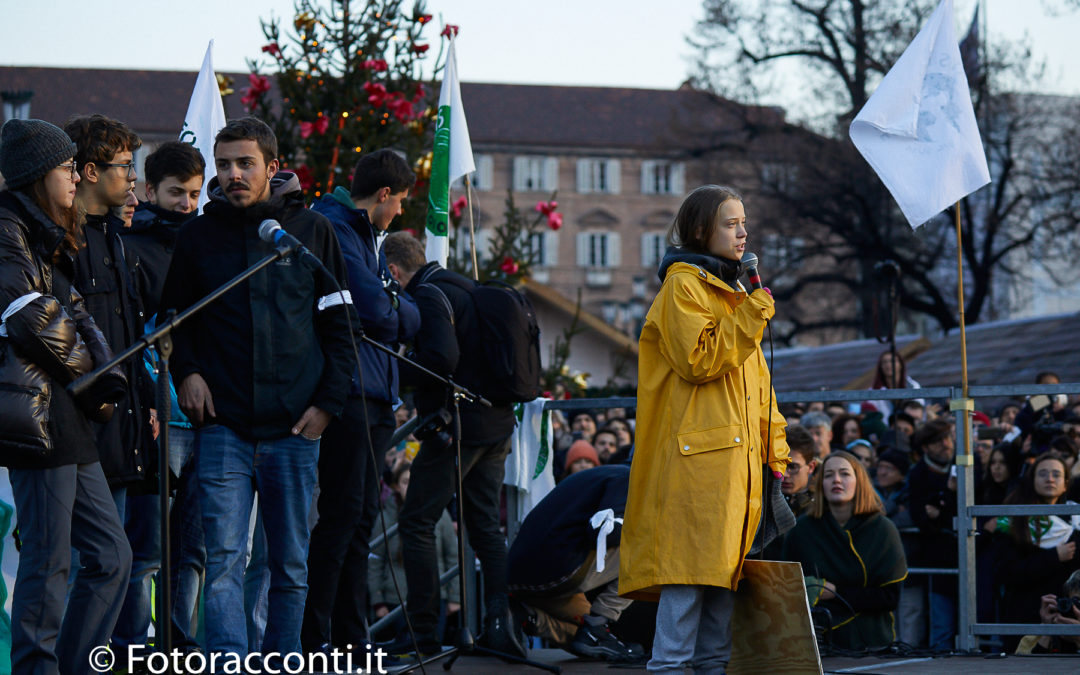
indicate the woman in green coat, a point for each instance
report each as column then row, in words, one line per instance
column 851, row 555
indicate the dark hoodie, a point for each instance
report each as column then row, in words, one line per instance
column 727, row 270
column 278, row 342
column 149, row 244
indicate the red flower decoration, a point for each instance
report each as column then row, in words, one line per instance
column 420, row 49
column 566, row 395
column 259, row 86
column 305, row 129
column 555, row 220
column 547, row 208
column 376, row 93
column 423, row 18
column 545, row 394
column 458, row 206
column 319, row 126
column 509, row 265
column 273, row 49
column 304, row 175
column 450, row 29
column 378, row 65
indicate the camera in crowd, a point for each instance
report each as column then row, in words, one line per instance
column 1066, row 603
column 436, row 428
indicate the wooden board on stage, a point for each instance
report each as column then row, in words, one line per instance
column 771, row 630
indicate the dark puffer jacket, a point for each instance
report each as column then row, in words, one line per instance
column 50, row 340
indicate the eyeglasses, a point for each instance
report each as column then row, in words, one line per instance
column 72, row 166
column 130, row 166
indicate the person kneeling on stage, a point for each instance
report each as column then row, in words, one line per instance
column 568, row 546
column 852, row 555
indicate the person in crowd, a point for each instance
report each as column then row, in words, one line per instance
column 851, row 554
column 624, row 433
column 835, row 409
column 448, row 344
column 1035, row 555
column 1008, row 412
column 1051, row 612
column 802, row 463
column 1068, row 449
column 606, row 444
column 583, row 425
column 890, row 481
column 820, row 427
column 1042, row 410
column 46, row 438
column 845, row 429
column 932, row 489
column 695, row 483
column 555, row 560
column 1002, row 477
column 891, row 373
column 581, row 456
column 127, row 211
column 352, row 450
column 387, row 560
column 174, row 180
column 917, row 410
column 864, row 451
column 262, row 371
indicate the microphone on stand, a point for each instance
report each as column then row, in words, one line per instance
column 750, row 262
column 272, row 233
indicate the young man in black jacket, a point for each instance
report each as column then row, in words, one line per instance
column 448, row 343
column 262, row 370
column 174, row 179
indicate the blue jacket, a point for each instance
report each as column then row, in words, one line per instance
column 387, row 315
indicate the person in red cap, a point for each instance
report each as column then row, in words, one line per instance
column 581, row 456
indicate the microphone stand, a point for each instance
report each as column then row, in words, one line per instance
column 161, row 337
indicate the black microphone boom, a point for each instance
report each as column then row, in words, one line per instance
column 750, row 262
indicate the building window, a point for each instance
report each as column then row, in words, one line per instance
column 653, row 246
column 16, row 104
column 778, row 177
column 598, row 249
column 662, row 177
column 544, row 247
column 598, row 175
column 481, row 179
column 534, row 173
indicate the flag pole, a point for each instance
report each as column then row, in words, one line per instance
column 960, row 286
column 472, row 228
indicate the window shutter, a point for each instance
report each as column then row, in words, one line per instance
column 484, row 171
column 583, row 257
column 678, row 178
column 647, row 245
column 648, row 187
column 551, row 248
column 613, row 177
column 551, row 173
column 521, row 174
column 614, row 249
column 584, row 176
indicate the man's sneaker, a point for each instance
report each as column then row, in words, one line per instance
column 525, row 617
column 501, row 632
column 597, row 642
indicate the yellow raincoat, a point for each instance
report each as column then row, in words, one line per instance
column 702, row 418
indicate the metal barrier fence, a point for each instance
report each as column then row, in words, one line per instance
column 968, row 628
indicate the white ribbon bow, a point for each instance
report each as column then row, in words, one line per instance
column 604, row 520
column 16, row 305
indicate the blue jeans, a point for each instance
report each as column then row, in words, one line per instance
column 188, row 547
column 142, row 524
column 231, row 469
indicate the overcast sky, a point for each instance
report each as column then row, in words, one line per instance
column 583, row 42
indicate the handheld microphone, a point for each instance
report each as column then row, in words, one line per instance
column 272, row 233
column 750, row 262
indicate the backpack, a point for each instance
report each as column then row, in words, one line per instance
column 509, row 340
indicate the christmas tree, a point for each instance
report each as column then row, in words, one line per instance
column 350, row 78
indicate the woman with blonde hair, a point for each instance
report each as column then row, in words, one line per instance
column 706, row 424
column 851, row 555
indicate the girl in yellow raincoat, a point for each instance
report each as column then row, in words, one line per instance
column 703, row 434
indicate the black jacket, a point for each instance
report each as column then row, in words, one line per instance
column 149, row 244
column 448, row 343
column 277, row 343
column 49, row 343
column 126, row 442
column 556, row 538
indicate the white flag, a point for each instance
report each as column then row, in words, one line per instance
column 451, row 159
column 918, row 130
column 205, row 117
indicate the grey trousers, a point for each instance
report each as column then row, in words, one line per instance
column 693, row 628
column 57, row 509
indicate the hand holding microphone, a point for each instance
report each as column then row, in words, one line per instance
column 750, row 263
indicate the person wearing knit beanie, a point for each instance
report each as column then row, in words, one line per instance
column 583, row 452
column 897, row 458
column 29, row 149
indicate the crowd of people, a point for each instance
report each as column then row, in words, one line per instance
column 285, row 397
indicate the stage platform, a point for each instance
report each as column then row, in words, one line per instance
column 948, row 665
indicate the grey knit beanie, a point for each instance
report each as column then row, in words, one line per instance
column 29, row 149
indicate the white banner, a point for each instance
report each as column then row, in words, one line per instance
column 205, row 117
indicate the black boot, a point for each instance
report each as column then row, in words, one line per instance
column 501, row 632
